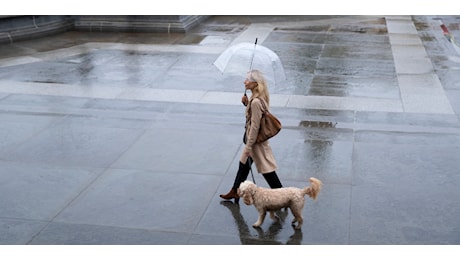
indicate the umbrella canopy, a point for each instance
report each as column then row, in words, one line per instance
column 242, row 57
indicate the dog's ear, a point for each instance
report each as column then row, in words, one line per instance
column 247, row 197
column 249, row 193
column 252, row 188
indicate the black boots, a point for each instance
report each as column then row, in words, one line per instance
column 272, row 180
column 243, row 172
column 232, row 194
column 241, row 175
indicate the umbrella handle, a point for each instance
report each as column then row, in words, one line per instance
column 245, row 101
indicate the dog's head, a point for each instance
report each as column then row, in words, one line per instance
column 246, row 191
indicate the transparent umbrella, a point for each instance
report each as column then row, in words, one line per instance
column 242, row 57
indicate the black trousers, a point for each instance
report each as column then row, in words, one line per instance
column 272, row 180
column 243, row 171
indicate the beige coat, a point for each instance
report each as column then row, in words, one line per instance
column 261, row 152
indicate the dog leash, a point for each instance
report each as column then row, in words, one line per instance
column 250, row 169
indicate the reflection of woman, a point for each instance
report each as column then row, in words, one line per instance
column 261, row 153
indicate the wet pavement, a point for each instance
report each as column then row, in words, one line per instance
column 128, row 138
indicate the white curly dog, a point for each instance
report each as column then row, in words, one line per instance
column 271, row 200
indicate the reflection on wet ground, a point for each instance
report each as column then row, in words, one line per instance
column 266, row 237
column 317, row 124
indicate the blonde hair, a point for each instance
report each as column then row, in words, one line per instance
column 261, row 91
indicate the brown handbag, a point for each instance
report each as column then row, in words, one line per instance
column 269, row 125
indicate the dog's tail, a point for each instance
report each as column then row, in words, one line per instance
column 314, row 188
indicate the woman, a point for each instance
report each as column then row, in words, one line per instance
column 260, row 153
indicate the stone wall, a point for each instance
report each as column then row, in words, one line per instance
column 137, row 23
column 17, row 28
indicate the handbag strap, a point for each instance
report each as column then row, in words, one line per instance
column 263, row 105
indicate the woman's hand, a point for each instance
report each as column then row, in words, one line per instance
column 247, row 153
column 244, row 100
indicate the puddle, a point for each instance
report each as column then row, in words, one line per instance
column 46, row 81
column 317, row 124
column 426, row 38
column 365, row 29
column 215, row 40
column 191, row 39
column 420, row 25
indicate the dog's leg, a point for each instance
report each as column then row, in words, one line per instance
column 259, row 222
column 299, row 222
column 273, row 216
column 297, row 218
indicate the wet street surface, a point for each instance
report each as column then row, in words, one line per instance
column 129, row 138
